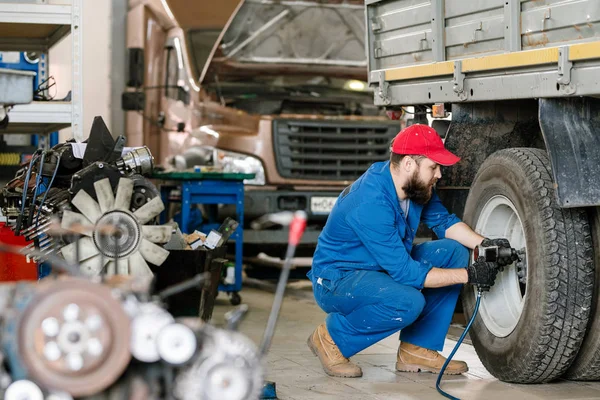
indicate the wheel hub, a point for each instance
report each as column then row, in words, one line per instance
column 502, row 306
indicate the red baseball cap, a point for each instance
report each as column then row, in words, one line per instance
column 422, row 140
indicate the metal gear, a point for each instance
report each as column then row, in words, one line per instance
column 74, row 337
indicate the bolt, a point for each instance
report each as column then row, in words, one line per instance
column 52, row 351
column 73, row 337
column 143, row 190
column 71, row 312
column 93, row 322
column 94, row 347
column 50, row 327
column 74, row 361
column 100, row 165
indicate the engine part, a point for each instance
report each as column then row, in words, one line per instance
column 74, row 336
column 23, row 389
column 228, row 367
column 138, row 161
column 116, row 240
column 84, row 179
column 38, row 190
column 145, row 329
column 143, row 192
column 62, row 154
column 176, row 344
column 101, row 146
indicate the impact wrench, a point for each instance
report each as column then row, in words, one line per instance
column 501, row 256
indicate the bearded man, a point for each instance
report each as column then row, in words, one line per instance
column 372, row 281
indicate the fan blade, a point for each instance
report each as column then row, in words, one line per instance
column 87, row 249
column 110, row 268
column 122, row 266
column 124, row 192
column 69, row 252
column 92, row 266
column 138, row 266
column 104, row 193
column 153, row 253
column 157, row 234
column 75, row 222
column 87, row 206
column 149, row 210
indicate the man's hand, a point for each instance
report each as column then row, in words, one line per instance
column 502, row 243
column 482, row 274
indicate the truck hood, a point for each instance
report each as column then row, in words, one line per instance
column 291, row 37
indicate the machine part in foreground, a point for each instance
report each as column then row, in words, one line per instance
column 228, row 367
column 176, row 344
column 530, row 333
column 145, row 328
column 74, row 336
column 115, row 239
column 23, row 389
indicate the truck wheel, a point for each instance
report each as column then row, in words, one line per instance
column 532, row 322
column 586, row 366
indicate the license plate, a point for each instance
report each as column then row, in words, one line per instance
column 322, row 205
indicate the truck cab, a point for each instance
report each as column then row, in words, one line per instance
column 278, row 89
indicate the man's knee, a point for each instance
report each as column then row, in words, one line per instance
column 405, row 309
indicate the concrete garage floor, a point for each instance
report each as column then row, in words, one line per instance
column 298, row 374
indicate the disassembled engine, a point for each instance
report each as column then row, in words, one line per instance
column 106, row 184
column 87, row 333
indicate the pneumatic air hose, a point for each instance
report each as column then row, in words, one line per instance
column 460, row 340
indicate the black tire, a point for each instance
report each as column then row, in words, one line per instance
column 560, row 273
column 586, row 366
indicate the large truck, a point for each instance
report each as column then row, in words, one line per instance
column 517, row 83
column 275, row 88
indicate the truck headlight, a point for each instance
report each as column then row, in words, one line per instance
column 242, row 163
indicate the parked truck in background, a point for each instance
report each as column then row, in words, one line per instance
column 278, row 89
column 520, row 79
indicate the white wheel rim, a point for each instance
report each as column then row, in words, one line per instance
column 502, row 306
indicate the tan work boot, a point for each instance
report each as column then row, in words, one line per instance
column 334, row 363
column 413, row 358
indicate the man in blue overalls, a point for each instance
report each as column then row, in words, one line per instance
column 373, row 282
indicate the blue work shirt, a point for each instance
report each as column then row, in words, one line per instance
column 367, row 230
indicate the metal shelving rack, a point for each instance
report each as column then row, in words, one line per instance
column 37, row 26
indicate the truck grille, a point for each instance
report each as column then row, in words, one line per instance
column 330, row 150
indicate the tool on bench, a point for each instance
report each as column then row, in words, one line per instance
column 489, row 251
